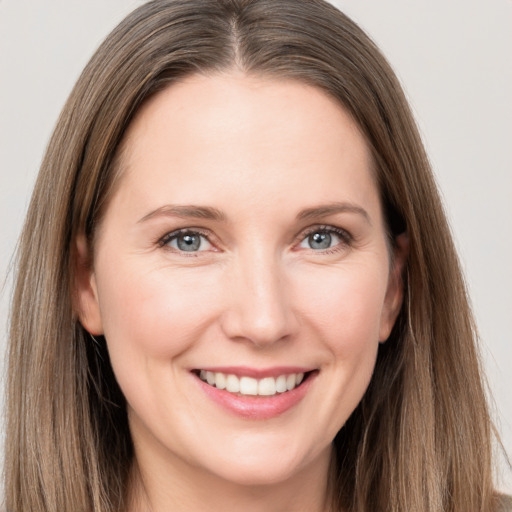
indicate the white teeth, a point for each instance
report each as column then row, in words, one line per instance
column 291, row 381
column 232, row 384
column 210, row 378
column 248, row 386
column 281, row 384
column 268, row 386
column 220, row 380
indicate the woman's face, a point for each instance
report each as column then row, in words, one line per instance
column 245, row 247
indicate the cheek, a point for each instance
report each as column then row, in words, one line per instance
column 157, row 313
column 341, row 309
column 345, row 304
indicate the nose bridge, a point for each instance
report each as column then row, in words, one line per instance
column 260, row 310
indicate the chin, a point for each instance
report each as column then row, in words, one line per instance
column 268, row 466
column 259, row 475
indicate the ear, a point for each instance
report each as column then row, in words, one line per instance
column 86, row 302
column 395, row 290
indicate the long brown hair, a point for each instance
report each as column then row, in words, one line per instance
column 421, row 437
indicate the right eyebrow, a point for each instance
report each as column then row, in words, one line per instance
column 185, row 212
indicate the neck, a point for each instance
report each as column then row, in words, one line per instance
column 181, row 488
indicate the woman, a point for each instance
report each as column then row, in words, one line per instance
column 234, row 302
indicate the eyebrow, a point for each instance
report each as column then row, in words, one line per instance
column 332, row 209
column 209, row 213
column 186, row 211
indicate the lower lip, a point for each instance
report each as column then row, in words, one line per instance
column 257, row 407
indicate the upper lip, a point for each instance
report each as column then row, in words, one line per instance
column 256, row 373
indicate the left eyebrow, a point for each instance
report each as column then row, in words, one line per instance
column 325, row 210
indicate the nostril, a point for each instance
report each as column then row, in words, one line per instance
column 260, row 331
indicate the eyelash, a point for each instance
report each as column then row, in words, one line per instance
column 169, row 237
column 345, row 237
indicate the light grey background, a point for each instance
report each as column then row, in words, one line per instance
column 454, row 60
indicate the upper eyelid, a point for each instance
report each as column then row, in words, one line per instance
column 165, row 239
column 346, row 239
column 324, row 227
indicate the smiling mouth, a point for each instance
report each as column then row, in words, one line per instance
column 249, row 386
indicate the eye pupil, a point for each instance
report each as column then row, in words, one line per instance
column 320, row 240
column 189, row 242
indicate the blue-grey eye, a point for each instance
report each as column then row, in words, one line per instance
column 188, row 242
column 321, row 240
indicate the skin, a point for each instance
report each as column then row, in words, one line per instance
column 256, row 294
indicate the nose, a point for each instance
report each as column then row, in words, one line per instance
column 259, row 303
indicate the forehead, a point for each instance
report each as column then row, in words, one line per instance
column 207, row 134
column 228, row 104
